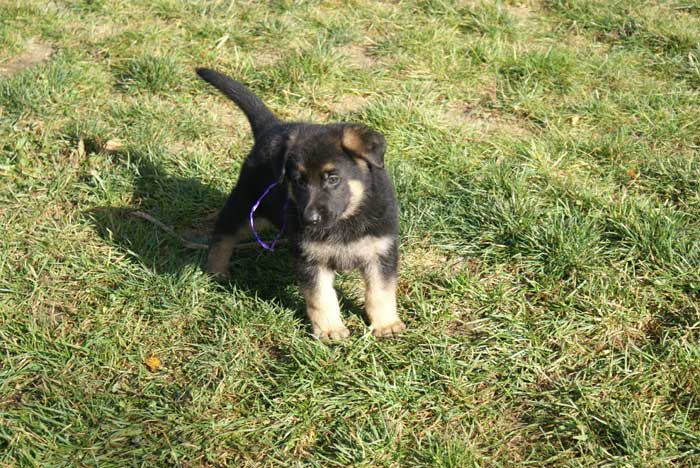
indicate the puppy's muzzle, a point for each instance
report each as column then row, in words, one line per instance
column 311, row 216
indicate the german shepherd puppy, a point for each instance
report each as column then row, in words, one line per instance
column 332, row 197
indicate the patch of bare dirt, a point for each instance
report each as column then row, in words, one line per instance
column 35, row 53
column 357, row 56
column 100, row 31
column 521, row 11
column 480, row 116
column 266, row 58
column 467, row 327
column 55, row 312
column 178, row 146
column 426, row 259
column 486, row 121
column 349, row 104
column 303, row 114
column 225, row 114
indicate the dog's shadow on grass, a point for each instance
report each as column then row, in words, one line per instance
column 189, row 207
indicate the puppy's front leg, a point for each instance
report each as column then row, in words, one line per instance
column 322, row 303
column 380, row 299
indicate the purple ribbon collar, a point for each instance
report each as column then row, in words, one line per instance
column 263, row 244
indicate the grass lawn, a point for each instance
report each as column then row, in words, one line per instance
column 546, row 155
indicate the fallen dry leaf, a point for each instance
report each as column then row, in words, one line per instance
column 153, row 363
column 113, row 146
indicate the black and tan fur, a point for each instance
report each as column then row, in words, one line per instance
column 342, row 213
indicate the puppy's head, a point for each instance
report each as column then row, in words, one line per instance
column 327, row 168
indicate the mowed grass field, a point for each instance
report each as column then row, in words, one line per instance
column 546, row 156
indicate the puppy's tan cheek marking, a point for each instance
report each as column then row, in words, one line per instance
column 357, row 193
column 322, row 304
column 220, row 253
column 380, row 298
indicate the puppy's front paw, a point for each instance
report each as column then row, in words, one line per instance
column 393, row 328
column 333, row 334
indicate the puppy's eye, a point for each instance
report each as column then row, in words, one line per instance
column 332, row 180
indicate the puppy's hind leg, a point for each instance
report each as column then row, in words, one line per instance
column 229, row 230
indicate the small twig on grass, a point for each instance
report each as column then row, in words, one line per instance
column 168, row 229
column 190, row 244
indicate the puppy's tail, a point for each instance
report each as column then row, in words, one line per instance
column 259, row 116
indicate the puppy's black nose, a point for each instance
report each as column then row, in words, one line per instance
column 312, row 216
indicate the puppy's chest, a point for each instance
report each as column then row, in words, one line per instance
column 347, row 255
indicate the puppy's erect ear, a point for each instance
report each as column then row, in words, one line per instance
column 364, row 143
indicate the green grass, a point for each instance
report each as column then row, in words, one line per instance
column 546, row 156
